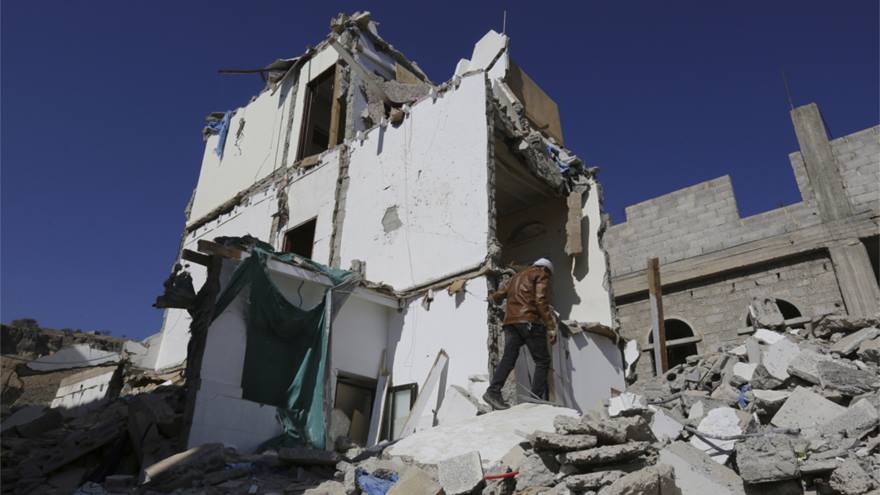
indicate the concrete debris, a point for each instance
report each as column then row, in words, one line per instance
column 461, row 474
column 536, row 469
column 765, row 459
column 806, row 365
column 765, row 313
column 555, row 442
column 626, row 403
column 697, row 474
column 664, row 426
column 869, row 351
column 805, row 410
column 605, row 455
column 848, row 345
column 851, row 479
column 847, row 378
column 659, row 480
column 75, row 356
column 722, row 422
column 416, row 481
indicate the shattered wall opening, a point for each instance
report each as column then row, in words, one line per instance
column 301, row 239
column 681, row 342
column 321, row 112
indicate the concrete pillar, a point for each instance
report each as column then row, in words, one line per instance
column 855, row 277
column 821, row 166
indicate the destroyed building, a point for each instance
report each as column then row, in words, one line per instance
column 352, row 169
column 815, row 257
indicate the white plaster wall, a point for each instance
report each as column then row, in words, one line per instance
column 595, row 303
column 359, row 337
column 314, row 195
column 85, row 392
column 457, row 324
column 260, row 149
column 596, row 367
column 433, row 169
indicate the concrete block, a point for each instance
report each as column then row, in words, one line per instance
column 592, row 481
column 537, row 469
column 75, row 356
column 806, row 365
column 851, row 342
column 456, row 407
column 697, row 474
column 664, row 426
column 554, row 442
column 869, row 351
column 416, row 482
column 777, row 357
column 766, row 459
column 768, row 337
column 859, row 418
column 744, row 371
column 848, row 380
column 754, row 350
column 658, row 479
column 605, row 455
column 806, row 410
column 721, row 421
column 461, row 474
column 770, row 399
column 851, row 479
column 762, row 378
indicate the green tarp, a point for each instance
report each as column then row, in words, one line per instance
column 286, row 353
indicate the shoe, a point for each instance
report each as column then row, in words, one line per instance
column 495, row 400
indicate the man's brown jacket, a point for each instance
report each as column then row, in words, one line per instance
column 527, row 296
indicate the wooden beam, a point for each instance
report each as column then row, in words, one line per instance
column 213, row 248
column 335, row 108
column 194, row 257
column 658, row 329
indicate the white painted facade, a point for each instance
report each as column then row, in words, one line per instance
column 413, row 203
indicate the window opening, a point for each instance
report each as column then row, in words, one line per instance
column 680, row 342
column 301, row 239
column 398, row 405
column 323, row 115
column 354, row 397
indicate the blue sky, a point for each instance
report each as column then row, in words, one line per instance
column 103, row 104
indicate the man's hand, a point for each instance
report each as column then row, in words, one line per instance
column 551, row 334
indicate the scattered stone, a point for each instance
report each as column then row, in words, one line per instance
column 658, row 479
column 805, row 410
column 605, row 455
column 848, row 380
column 664, row 426
column 851, row 479
column 816, row 467
column 697, row 474
column 765, row 459
column 762, row 378
column 626, row 403
column 461, row 474
column 592, row 481
column 416, row 481
column 828, row 324
column 722, row 421
column 806, row 365
column 554, row 442
column 851, row 342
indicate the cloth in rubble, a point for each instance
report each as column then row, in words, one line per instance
column 286, row 351
column 377, row 483
column 221, row 129
column 554, row 153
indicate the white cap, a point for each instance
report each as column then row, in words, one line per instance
column 545, row 263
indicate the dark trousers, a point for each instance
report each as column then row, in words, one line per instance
column 534, row 336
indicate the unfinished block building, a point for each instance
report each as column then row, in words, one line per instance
column 818, row 256
column 352, row 161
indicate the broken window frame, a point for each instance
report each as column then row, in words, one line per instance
column 387, row 429
column 694, row 339
column 286, row 243
column 336, row 126
column 364, row 384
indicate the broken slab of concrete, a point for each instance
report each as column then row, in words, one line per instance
column 848, row 345
column 850, row 479
column 592, row 481
column 554, row 442
column 777, row 357
column 765, row 313
column 766, row 459
column 536, row 469
column 605, row 455
column 849, row 380
column 744, row 371
column 50, row 419
column 493, row 434
column 869, row 351
column 461, row 474
column 658, row 479
column 722, row 421
column 768, row 337
column 806, row 365
column 626, row 403
column 697, row 474
column 23, row 416
column 664, row 426
column 169, row 472
column 860, row 418
column 416, row 481
column 89, row 387
column 75, row 356
column 763, row 378
column 806, row 410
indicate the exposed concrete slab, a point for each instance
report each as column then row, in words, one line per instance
column 744, row 370
column 592, row 481
column 778, row 356
column 697, row 474
column 851, row 342
column 608, row 454
column 625, row 403
column 851, row 479
column 23, row 416
column 456, row 407
column 87, row 387
column 493, row 434
column 461, row 474
column 657, row 479
column 860, row 418
column 753, row 350
column 768, row 337
column 664, row 426
column 806, row 365
column 849, row 380
column 766, row 459
column 806, row 410
column 721, row 421
column 75, row 356
column 554, row 442
column 869, row 351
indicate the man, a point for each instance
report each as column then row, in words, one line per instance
column 527, row 320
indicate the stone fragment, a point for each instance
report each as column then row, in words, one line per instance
column 554, row 442
column 664, row 426
column 762, row 378
column 537, row 469
column 178, row 467
column 626, row 403
column 851, row 342
column 815, row 467
column 848, row 380
column 739, row 350
column 415, row 481
column 753, row 350
column 605, row 455
column 806, row 410
column 592, row 481
column 765, row 459
column 765, row 312
column 722, row 421
column 461, row 474
column 869, row 351
column 697, row 474
column 565, row 425
column 616, row 430
column 859, row 419
column 769, row 401
column 778, row 356
column 806, row 365
column 828, row 324
column 658, row 479
column 768, row 337
column 744, row 371
column 850, row 479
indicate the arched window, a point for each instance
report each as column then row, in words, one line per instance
column 788, row 310
column 680, row 342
